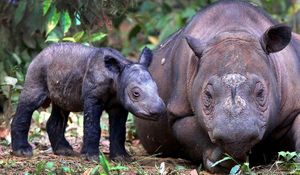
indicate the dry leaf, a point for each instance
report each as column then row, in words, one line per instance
column 194, row 172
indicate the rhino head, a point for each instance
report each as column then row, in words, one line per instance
column 235, row 93
column 136, row 89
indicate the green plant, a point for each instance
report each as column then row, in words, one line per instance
column 106, row 168
column 243, row 168
column 287, row 160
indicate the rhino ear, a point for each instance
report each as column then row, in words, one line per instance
column 114, row 64
column 146, row 57
column 196, row 45
column 276, row 38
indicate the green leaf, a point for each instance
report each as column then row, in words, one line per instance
column 20, row 12
column 66, row 169
column 119, row 168
column 50, row 165
column 46, row 6
column 71, row 39
column 282, row 154
column 245, row 168
column 222, row 160
column 188, row 13
column 104, row 163
column 96, row 37
column 78, row 35
column 235, row 169
column 17, row 58
column 77, row 18
column 52, row 20
column 65, row 22
column 95, row 170
column 52, row 38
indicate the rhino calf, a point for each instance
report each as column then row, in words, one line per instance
column 81, row 78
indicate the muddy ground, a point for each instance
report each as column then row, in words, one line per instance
column 45, row 162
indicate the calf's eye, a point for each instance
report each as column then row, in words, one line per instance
column 135, row 93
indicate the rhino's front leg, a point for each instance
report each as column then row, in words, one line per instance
column 117, row 134
column 92, row 131
column 197, row 144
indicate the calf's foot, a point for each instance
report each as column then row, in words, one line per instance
column 65, row 151
column 23, row 151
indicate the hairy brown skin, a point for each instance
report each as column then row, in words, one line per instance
column 230, row 79
column 76, row 78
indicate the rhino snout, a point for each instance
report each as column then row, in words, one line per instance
column 151, row 110
column 158, row 108
column 236, row 142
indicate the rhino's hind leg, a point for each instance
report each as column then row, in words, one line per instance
column 91, row 128
column 117, row 134
column 30, row 100
column 56, row 127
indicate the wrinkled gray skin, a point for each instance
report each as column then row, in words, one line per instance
column 75, row 78
column 231, row 82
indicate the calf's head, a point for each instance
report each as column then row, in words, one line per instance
column 235, row 92
column 135, row 87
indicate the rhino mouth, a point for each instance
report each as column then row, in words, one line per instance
column 238, row 150
column 147, row 116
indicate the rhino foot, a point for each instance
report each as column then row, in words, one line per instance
column 122, row 158
column 92, row 158
column 23, row 152
column 65, row 152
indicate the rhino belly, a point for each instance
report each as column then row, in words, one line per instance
column 65, row 91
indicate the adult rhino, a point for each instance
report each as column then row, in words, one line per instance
column 231, row 82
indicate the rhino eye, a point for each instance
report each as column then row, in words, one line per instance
column 260, row 94
column 208, row 99
column 135, row 93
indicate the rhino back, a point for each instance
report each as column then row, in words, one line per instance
column 63, row 67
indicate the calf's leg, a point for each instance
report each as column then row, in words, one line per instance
column 117, row 133
column 91, row 133
column 30, row 99
column 56, row 127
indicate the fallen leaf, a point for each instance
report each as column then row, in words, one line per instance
column 135, row 142
column 88, row 171
column 194, row 172
column 3, row 132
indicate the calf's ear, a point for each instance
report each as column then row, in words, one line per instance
column 146, row 57
column 276, row 38
column 113, row 64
